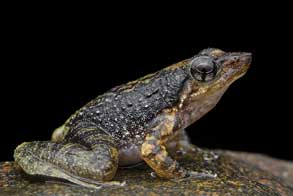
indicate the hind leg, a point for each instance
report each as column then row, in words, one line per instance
column 87, row 157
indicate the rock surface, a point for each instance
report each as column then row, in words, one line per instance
column 237, row 174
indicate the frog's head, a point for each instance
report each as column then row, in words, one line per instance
column 210, row 72
column 214, row 69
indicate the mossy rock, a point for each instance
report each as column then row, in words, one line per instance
column 237, row 174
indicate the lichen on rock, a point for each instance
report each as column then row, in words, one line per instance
column 237, row 174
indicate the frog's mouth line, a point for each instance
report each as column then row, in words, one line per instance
column 239, row 63
column 220, row 83
column 239, row 74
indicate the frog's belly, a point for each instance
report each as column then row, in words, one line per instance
column 129, row 155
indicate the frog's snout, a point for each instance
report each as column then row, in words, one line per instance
column 245, row 58
column 234, row 65
column 236, row 60
column 243, row 62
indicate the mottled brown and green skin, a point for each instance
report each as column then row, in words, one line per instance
column 138, row 121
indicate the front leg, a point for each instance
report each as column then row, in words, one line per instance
column 180, row 147
column 153, row 150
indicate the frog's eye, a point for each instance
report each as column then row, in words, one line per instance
column 203, row 68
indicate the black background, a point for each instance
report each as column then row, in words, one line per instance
column 52, row 65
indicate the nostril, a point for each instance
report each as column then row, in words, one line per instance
column 246, row 57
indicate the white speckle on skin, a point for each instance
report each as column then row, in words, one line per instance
column 117, row 97
column 99, row 104
column 108, row 100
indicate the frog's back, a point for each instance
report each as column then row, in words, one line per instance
column 125, row 111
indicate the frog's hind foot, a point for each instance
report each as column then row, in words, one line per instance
column 87, row 183
column 89, row 167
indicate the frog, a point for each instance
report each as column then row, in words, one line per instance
column 141, row 121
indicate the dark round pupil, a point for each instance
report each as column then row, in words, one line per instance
column 205, row 68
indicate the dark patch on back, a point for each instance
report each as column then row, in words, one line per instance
column 125, row 111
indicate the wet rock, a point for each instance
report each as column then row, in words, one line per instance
column 237, row 174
